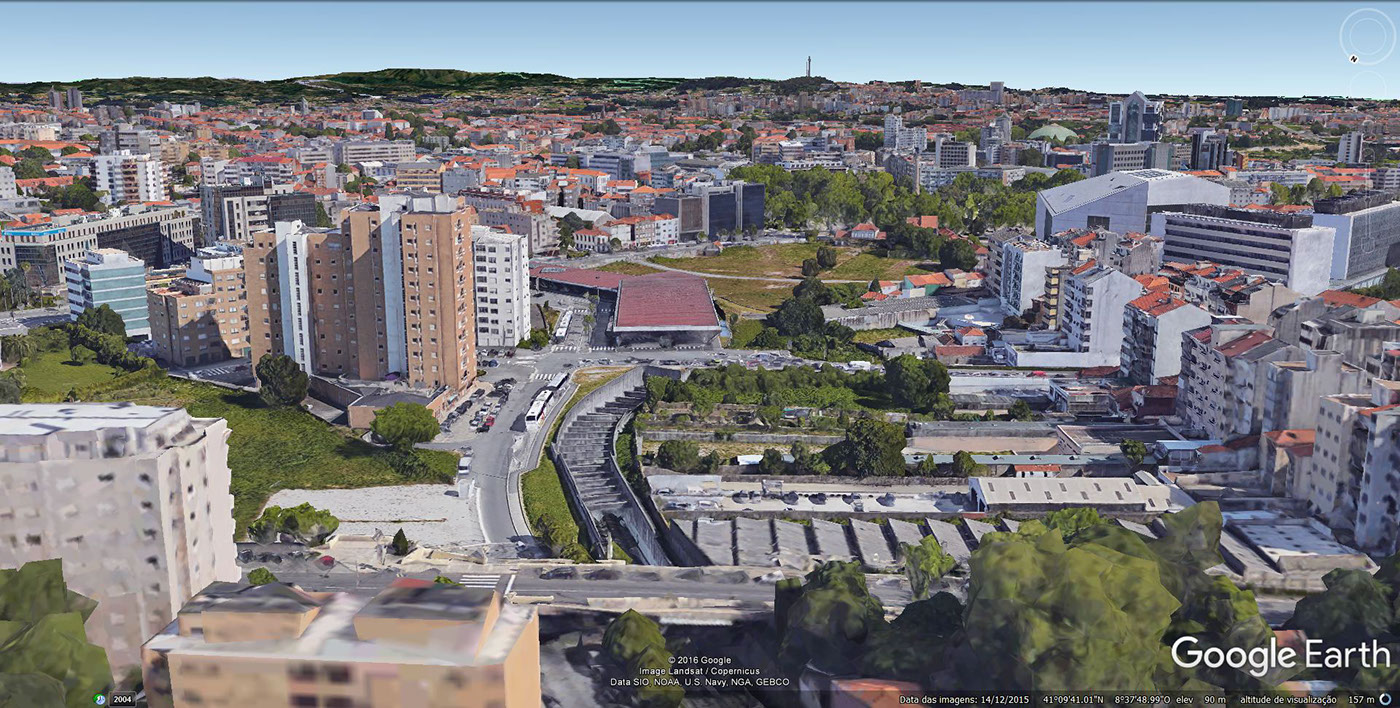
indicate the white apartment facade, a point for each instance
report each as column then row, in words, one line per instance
column 8, row 188
column 135, row 501
column 127, row 177
column 1023, row 265
column 502, row 264
column 1092, row 311
column 1152, row 329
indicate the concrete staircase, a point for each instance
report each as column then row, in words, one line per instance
column 585, row 443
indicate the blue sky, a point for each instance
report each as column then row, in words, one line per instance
column 1289, row 48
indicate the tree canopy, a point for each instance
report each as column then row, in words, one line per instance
column 45, row 656
column 283, row 381
column 405, row 424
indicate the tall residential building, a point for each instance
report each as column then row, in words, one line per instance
column 1222, row 387
column 949, row 153
column 132, row 139
column 1234, row 107
column 900, row 138
column 412, row 645
column 390, row 291
column 75, row 99
column 127, row 177
column 1134, row 119
column 1208, row 150
column 1368, row 233
column 236, row 212
column 134, row 499
column 502, row 287
column 1352, row 480
column 1022, row 275
column 1288, row 248
column 1092, row 311
column 424, row 176
column 55, row 99
column 731, row 207
column 8, row 188
column 350, row 152
column 106, row 276
column 202, row 317
column 1152, row 329
column 1292, row 389
column 1351, row 150
column 998, row 89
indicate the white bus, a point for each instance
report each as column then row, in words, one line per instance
column 532, row 416
column 557, row 382
column 562, row 327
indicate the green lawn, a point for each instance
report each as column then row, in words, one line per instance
column 782, row 260
column 48, row 376
column 628, row 268
column 546, row 505
column 271, row 449
column 871, row 336
column 752, row 295
column 866, row 267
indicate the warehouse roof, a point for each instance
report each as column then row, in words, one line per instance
column 664, row 300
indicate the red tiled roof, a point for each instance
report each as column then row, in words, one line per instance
column 665, row 300
column 1338, row 298
column 1240, row 345
column 579, row 276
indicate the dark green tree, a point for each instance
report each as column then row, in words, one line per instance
column 1134, row 450
column 678, row 455
column 405, row 424
column 400, row 545
column 829, row 620
column 635, row 644
column 925, row 563
column 304, row 523
column 772, row 463
column 103, row 319
column 283, row 383
column 45, row 656
column 1020, row 410
column 261, row 576
column 958, row 253
column 826, row 257
column 870, row 448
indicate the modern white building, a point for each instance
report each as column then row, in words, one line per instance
column 1092, row 311
column 1121, row 201
column 1351, row 479
column 1283, row 247
column 128, row 177
column 1367, row 241
column 900, row 138
column 1023, row 265
column 949, row 153
column 8, row 188
column 107, row 276
column 135, row 501
column 502, row 287
column 1152, row 328
column 390, row 151
column 1351, row 149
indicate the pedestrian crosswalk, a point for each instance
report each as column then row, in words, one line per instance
column 218, row 370
column 601, row 349
column 565, row 348
column 539, row 376
column 480, row 580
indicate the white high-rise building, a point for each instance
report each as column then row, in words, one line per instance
column 1023, row 265
column 8, row 188
column 129, row 178
column 1283, row 247
column 1092, row 311
column 135, row 501
column 502, row 287
column 900, row 138
column 1351, row 149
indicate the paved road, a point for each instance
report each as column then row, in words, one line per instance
column 580, row 588
column 21, row 321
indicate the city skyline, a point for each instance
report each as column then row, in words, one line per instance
column 1041, row 48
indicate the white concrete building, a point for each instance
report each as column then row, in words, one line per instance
column 1121, row 201
column 1351, row 480
column 502, row 287
column 135, row 501
column 127, row 177
column 1223, row 381
column 1351, row 149
column 1092, row 311
column 1368, row 230
column 1152, row 329
column 949, row 153
column 8, row 188
column 390, row 151
column 900, row 138
column 107, row 276
column 294, row 288
column 1023, row 265
column 1282, row 247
